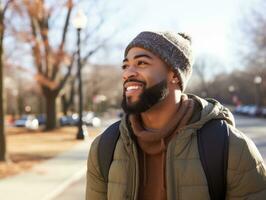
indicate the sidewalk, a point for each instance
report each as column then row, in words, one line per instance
column 49, row 178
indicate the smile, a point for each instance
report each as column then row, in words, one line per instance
column 132, row 87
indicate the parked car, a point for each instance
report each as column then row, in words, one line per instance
column 253, row 110
column 238, row 109
column 68, row 120
column 42, row 119
column 242, row 109
column 21, row 122
column 28, row 121
column 263, row 112
column 246, row 109
column 88, row 119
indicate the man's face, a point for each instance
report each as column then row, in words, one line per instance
column 145, row 79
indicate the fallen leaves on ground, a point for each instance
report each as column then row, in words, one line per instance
column 27, row 148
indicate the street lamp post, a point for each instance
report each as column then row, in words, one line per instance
column 79, row 23
column 257, row 82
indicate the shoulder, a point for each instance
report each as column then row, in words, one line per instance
column 108, row 132
column 243, row 154
column 246, row 175
column 93, row 153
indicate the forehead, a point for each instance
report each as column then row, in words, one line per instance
column 136, row 51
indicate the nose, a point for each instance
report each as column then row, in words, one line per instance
column 129, row 72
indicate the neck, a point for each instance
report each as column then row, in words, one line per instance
column 160, row 114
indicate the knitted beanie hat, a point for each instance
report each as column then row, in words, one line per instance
column 173, row 48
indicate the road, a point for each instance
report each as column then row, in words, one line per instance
column 253, row 127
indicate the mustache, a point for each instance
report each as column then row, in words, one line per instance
column 134, row 80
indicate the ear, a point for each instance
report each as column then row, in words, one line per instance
column 174, row 78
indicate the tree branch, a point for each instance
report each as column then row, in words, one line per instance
column 98, row 26
column 61, row 46
column 90, row 53
column 44, row 27
column 70, row 67
column 6, row 6
column 36, row 47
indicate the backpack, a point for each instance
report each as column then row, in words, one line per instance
column 213, row 151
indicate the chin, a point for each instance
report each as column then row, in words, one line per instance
column 132, row 100
column 132, row 103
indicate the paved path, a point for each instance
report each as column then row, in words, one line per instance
column 75, row 191
column 49, row 178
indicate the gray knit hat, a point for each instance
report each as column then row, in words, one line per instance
column 173, row 48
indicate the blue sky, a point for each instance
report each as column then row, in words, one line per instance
column 212, row 24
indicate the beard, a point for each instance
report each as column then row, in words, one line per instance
column 148, row 98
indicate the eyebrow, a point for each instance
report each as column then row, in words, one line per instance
column 139, row 56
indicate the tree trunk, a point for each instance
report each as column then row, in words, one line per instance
column 41, row 109
column 21, row 107
column 64, row 104
column 67, row 102
column 3, row 155
column 51, row 119
column 2, row 114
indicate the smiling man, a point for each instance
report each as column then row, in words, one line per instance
column 171, row 145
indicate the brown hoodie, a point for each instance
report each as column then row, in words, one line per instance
column 152, row 151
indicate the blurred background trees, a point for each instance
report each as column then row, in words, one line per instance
column 244, row 84
column 42, row 31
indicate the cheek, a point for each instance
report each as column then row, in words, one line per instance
column 156, row 77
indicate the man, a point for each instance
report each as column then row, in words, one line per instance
column 156, row 155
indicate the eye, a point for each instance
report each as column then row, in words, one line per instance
column 124, row 66
column 141, row 62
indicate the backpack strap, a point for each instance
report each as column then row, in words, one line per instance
column 213, row 150
column 106, row 148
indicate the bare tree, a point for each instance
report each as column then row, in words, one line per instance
column 67, row 97
column 3, row 154
column 46, row 60
column 204, row 69
column 97, row 82
column 253, row 28
column 49, row 58
column 200, row 69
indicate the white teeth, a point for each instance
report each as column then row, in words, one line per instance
column 132, row 88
